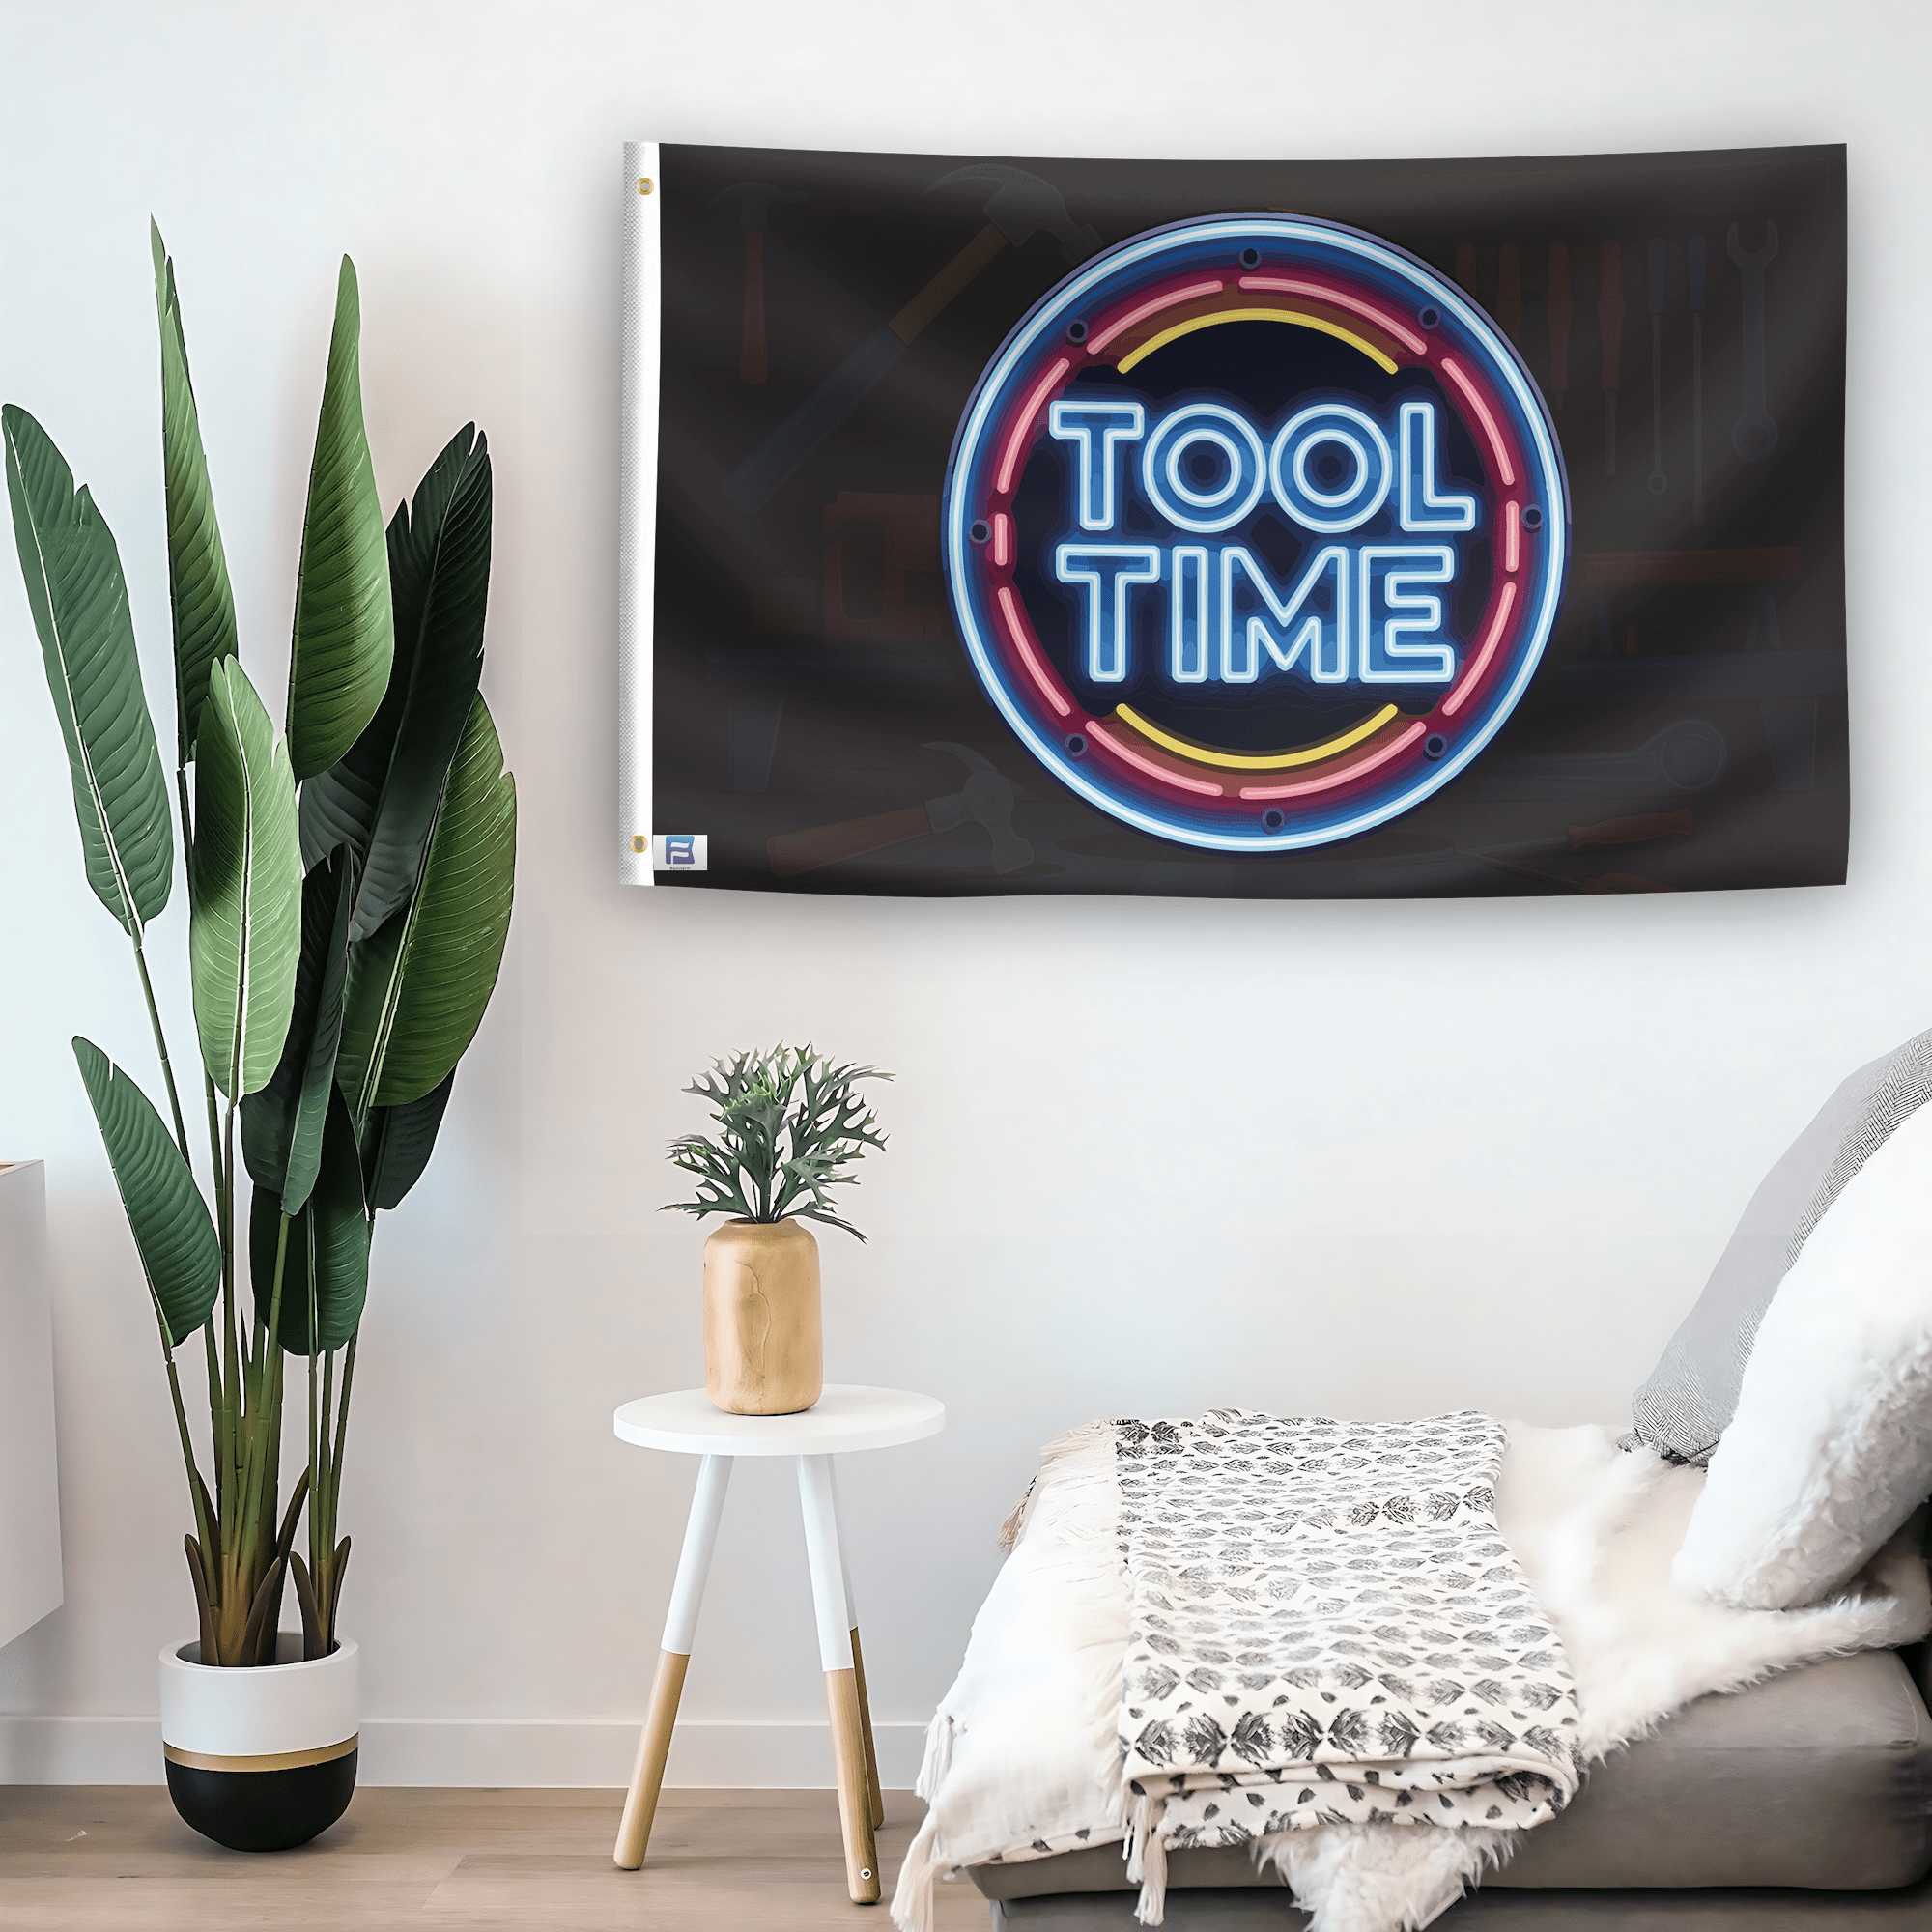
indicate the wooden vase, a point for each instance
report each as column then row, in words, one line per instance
column 764, row 1350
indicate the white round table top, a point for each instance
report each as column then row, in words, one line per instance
column 845, row 1417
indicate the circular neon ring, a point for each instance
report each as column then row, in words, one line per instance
column 1122, row 305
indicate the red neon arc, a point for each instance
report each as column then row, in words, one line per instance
column 1505, row 468
column 1168, row 297
column 1328, row 291
column 1472, row 671
column 1359, row 769
column 1021, row 439
column 1028, row 652
column 1147, row 765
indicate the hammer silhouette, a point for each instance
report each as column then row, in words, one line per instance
column 1020, row 207
column 986, row 798
column 755, row 210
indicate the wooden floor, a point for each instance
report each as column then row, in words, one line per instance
column 75, row 1859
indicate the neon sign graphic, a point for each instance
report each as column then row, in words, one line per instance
column 1255, row 529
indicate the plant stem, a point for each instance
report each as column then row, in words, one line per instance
column 220, row 1418
column 342, row 1411
column 202, row 1526
column 314, row 1438
column 230, row 1343
column 217, row 1417
column 253, row 1455
column 264, row 1415
column 271, row 1425
column 233, row 1395
column 321, row 1515
column 230, row 1338
column 336, row 1487
column 162, row 1047
column 214, row 1137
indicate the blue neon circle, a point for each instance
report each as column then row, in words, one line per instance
column 1409, row 287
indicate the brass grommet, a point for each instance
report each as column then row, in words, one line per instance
column 638, row 842
column 643, row 183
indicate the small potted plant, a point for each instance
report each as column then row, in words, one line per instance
column 790, row 1126
column 348, row 887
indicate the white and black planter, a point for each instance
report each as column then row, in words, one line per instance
column 260, row 1760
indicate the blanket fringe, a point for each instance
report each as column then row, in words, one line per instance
column 1009, row 1530
column 1152, row 1906
column 1133, row 1845
column 938, row 1758
column 912, row 1897
column 1064, row 1447
column 1147, row 1857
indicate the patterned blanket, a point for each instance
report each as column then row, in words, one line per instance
column 1326, row 1627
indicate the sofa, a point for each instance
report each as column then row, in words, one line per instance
column 1805, row 1801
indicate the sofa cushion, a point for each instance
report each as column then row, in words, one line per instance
column 1821, row 1778
column 1831, row 1448
column 1693, row 1393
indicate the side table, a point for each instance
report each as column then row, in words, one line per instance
column 845, row 1418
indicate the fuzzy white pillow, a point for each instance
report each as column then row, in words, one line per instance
column 1831, row 1448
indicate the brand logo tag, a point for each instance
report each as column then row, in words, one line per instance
column 678, row 851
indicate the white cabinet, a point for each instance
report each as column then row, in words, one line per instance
column 30, row 1551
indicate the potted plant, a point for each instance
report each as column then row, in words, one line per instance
column 790, row 1126
column 348, row 895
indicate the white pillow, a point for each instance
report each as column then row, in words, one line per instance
column 1831, row 1448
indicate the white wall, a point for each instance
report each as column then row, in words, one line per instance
column 1373, row 1159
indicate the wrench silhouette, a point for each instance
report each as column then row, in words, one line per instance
column 1755, row 435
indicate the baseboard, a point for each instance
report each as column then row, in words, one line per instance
column 479, row 1751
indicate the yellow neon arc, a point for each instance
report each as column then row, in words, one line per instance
column 1270, row 761
column 1294, row 315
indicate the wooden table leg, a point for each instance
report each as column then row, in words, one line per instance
column 641, row 1801
column 874, row 1795
column 694, row 1564
column 878, row 1800
column 841, row 1687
